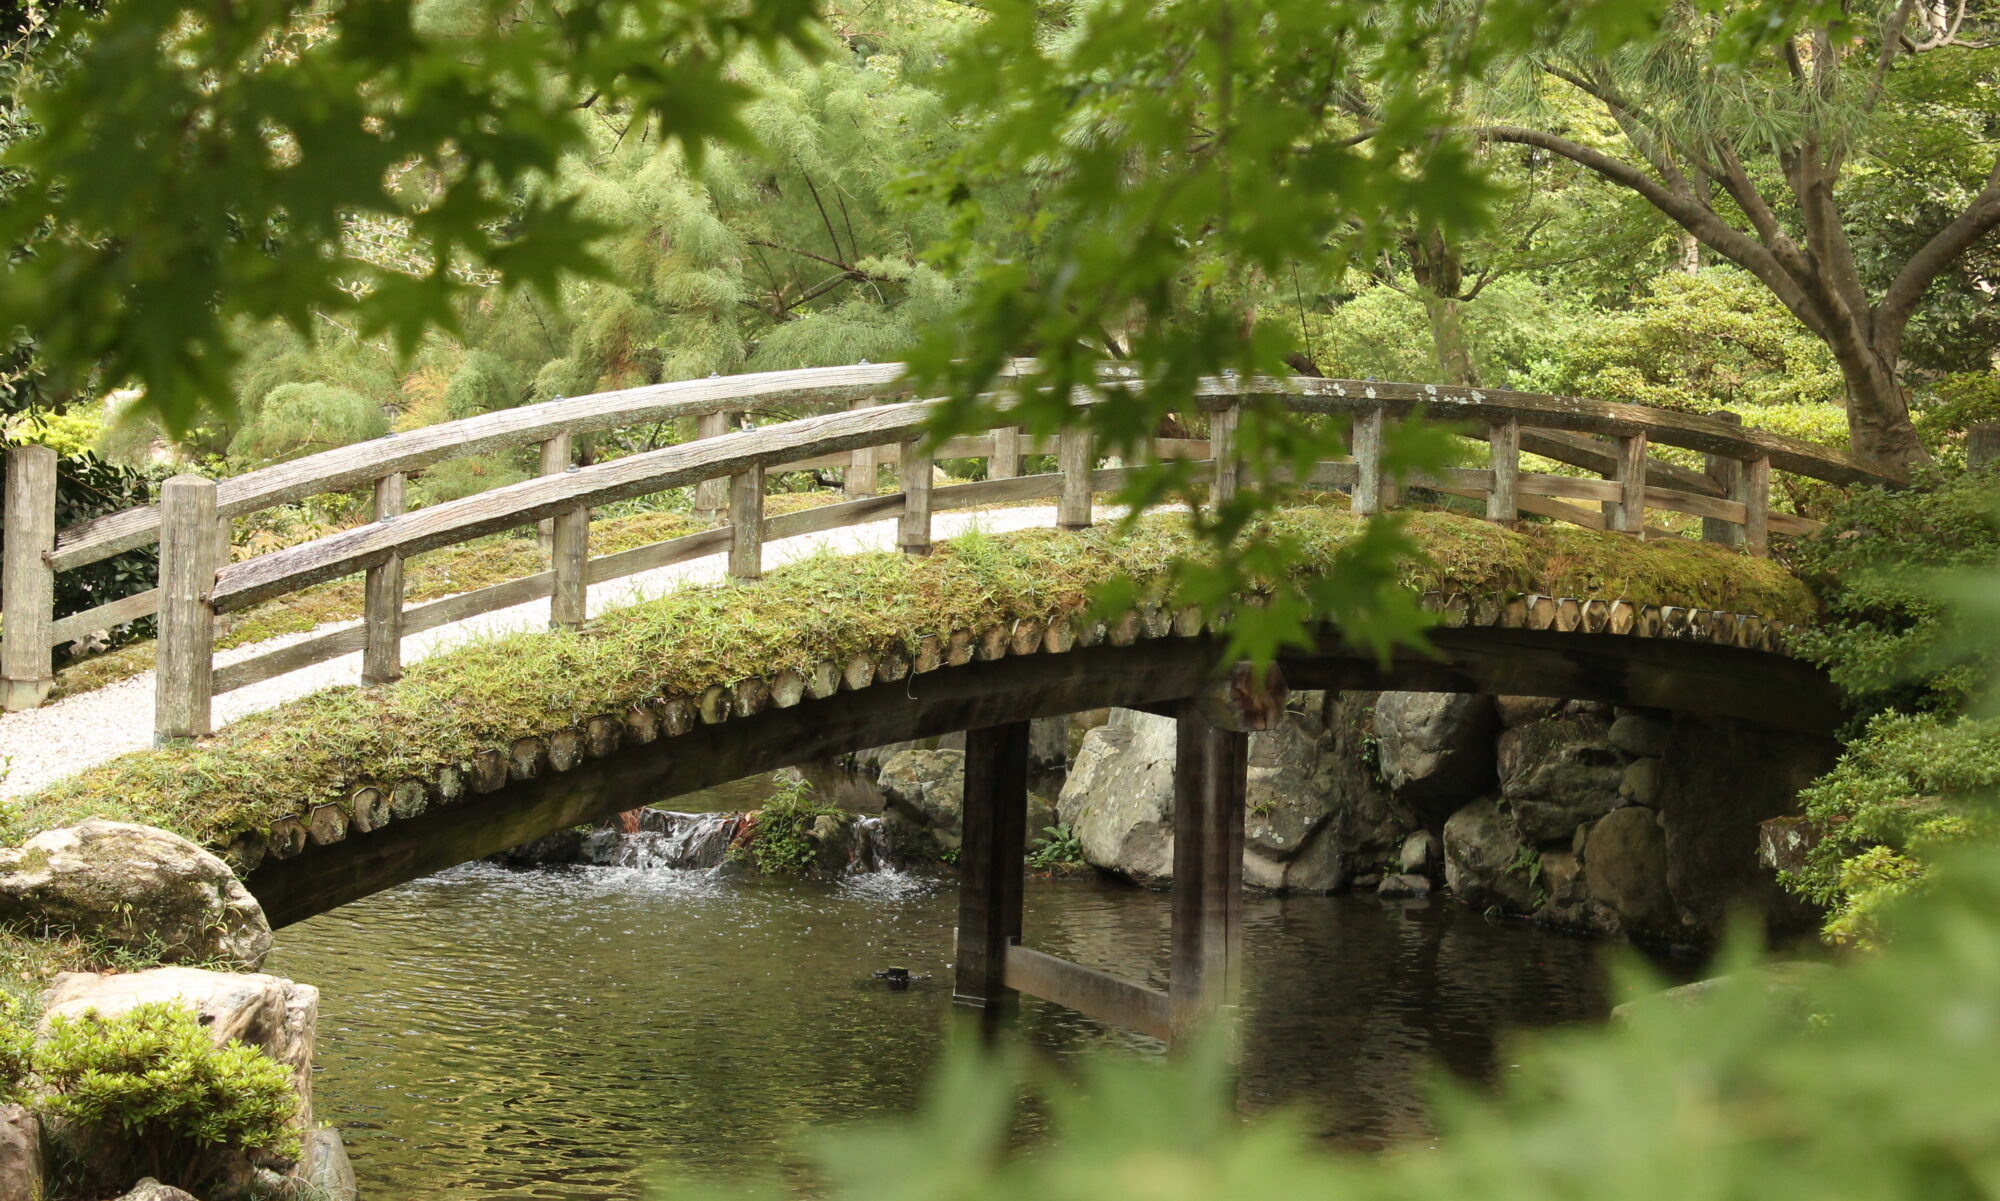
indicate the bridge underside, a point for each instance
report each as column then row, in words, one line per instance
column 1751, row 686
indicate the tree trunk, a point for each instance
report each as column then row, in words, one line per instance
column 1454, row 354
column 1878, row 413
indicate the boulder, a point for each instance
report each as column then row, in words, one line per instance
column 1520, row 710
column 1435, row 745
column 1483, row 861
column 1404, row 887
column 1627, row 856
column 1788, row 988
column 1421, row 853
column 1119, row 797
column 136, row 887
column 1640, row 736
column 20, row 1155
column 1286, row 795
column 325, row 1169
column 929, row 788
column 1559, row 774
column 1640, row 785
column 150, row 1189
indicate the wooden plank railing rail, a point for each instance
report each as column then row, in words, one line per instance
column 869, row 427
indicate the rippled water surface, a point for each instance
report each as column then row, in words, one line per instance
column 562, row 1033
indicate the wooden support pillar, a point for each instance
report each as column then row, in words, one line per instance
column 1076, row 456
column 27, row 583
column 710, row 496
column 1627, row 515
column 913, row 530
column 1757, row 507
column 1505, row 439
column 382, row 605
column 1210, row 776
column 1372, row 491
column 184, row 678
column 1222, row 448
column 1005, row 461
column 995, row 832
column 861, row 466
column 1728, row 476
column 746, row 526
column 571, row 551
column 556, row 457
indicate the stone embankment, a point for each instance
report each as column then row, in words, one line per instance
column 1578, row 814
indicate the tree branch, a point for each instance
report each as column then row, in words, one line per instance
column 1980, row 217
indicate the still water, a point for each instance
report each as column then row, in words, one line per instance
column 568, row 1033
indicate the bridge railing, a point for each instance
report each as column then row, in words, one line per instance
column 727, row 469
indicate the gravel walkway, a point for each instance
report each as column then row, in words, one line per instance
column 42, row 745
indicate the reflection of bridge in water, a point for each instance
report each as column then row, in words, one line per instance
column 989, row 681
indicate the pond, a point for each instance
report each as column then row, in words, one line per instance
column 569, row 1032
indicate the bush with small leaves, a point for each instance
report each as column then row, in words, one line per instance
column 150, row 1087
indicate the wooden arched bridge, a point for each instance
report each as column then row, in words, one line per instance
column 989, row 681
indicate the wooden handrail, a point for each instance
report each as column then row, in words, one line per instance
column 1607, row 439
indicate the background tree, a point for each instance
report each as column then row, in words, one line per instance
column 1749, row 152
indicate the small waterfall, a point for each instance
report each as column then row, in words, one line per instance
column 675, row 841
column 868, row 847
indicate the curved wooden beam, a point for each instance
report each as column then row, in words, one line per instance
column 650, row 765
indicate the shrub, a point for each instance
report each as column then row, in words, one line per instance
column 779, row 840
column 1060, row 847
column 483, row 383
column 152, row 1083
column 301, row 419
column 17, row 1040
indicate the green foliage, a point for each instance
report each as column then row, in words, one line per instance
column 1955, row 402
column 267, row 144
column 1908, row 786
column 483, row 383
column 456, row 478
column 17, row 1042
column 301, row 419
column 1060, row 847
column 779, row 840
column 1717, row 339
column 1873, row 1082
column 1889, row 637
column 152, row 1080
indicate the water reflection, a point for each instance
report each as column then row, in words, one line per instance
column 500, row 1033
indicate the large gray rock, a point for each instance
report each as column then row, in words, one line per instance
column 1626, row 855
column 1558, row 774
column 929, row 788
column 1287, row 797
column 1520, row 710
column 20, row 1155
column 136, row 887
column 1483, row 860
column 325, row 1169
column 1640, row 736
column 150, row 1189
column 1119, row 797
column 1435, row 745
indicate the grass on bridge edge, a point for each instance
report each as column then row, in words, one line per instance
column 486, row 694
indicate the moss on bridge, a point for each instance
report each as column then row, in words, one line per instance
column 313, row 750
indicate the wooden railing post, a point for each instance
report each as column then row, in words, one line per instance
column 556, row 458
column 184, row 679
column 746, row 525
column 1076, row 456
column 382, row 603
column 569, row 552
column 710, row 496
column 1982, row 444
column 913, row 529
column 1504, row 437
column 1627, row 515
column 1222, row 448
column 1372, row 491
column 27, row 582
column 1005, row 461
column 1728, row 476
column 861, row 468
column 990, row 860
column 1757, row 507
